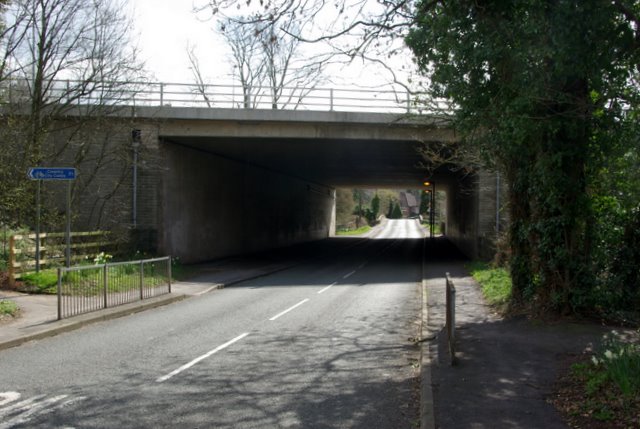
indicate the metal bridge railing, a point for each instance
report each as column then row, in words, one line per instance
column 390, row 100
column 83, row 289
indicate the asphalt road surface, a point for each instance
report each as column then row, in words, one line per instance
column 327, row 344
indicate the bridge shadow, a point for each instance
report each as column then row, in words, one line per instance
column 350, row 376
column 368, row 261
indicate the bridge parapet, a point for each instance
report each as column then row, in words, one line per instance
column 390, row 99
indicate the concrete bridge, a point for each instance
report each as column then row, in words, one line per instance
column 210, row 182
column 237, row 181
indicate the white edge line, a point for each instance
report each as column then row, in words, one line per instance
column 326, row 288
column 198, row 359
column 288, row 309
column 346, row 276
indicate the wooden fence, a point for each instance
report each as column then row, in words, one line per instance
column 84, row 246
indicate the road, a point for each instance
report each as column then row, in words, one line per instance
column 326, row 344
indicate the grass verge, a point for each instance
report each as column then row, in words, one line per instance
column 90, row 281
column 495, row 283
column 46, row 281
column 358, row 231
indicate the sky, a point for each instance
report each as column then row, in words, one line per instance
column 165, row 28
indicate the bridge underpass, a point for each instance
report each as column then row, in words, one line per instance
column 246, row 185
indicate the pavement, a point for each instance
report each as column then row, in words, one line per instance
column 39, row 313
column 505, row 368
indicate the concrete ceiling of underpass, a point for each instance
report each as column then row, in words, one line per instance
column 331, row 162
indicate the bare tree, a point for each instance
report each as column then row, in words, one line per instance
column 369, row 31
column 194, row 65
column 270, row 58
column 246, row 54
column 61, row 58
column 290, row 75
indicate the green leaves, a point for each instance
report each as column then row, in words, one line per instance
column 544, row 82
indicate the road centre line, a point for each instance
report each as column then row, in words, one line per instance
column 346, row 276
column 332, row 284
column 199, row 358
column 289, row 309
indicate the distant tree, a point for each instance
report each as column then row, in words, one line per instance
column 390, row 208
column 397, row 212
column 425, row 200
column 344, row 206
column 375, row 207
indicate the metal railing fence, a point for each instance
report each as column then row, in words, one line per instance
column 451, row 318
column 83, row 289
column 392, row 99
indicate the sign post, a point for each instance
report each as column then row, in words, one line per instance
column 53, row 173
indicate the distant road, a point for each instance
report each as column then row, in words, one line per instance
column 326, row 344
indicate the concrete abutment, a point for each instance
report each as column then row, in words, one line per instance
column 212, row 207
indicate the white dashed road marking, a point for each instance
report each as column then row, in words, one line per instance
column 289, row 309
column 199, row 358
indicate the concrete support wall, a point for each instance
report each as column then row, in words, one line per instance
column 213, row 207
column 102, row 196
column 476, row 214
column 462, row 225
column 492, row 213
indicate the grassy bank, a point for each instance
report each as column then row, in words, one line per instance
column 495, row 283
column 358, row 231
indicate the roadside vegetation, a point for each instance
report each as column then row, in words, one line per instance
column 495, row 283
column 8, row 309
column 361, row 230
column 46, row 281
column 602, row 390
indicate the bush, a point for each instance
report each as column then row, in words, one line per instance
column 43, row 282
column 8, row 308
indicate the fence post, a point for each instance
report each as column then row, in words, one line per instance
column 105, row 277
column 408, row 101
column 331, row 99
column 451, row 317
column 161, row 94
column 169, row 262
column 141, row 280
column 59, row 293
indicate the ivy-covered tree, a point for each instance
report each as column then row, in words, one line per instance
column 542, row 90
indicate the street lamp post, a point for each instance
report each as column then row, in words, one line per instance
column 136, row 137
column 432, row 204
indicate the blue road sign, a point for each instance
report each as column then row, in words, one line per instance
column 48, row 173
